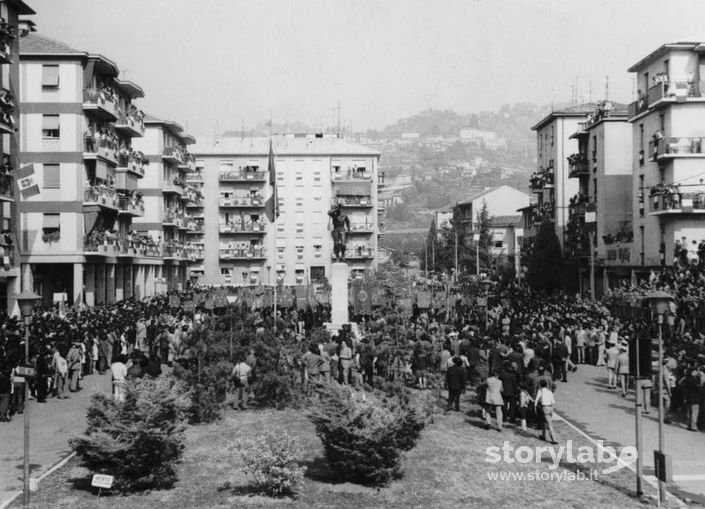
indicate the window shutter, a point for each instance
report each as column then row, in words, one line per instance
column 50, row 75
column 52, row 176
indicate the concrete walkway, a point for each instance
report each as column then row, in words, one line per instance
column 604, row 414
column 51, row 425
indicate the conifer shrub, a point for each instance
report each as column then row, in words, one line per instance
column 274, row 460
column 137, row 441
column 365, row 434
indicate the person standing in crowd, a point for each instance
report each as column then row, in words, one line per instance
column 119, row 377
column 240, row 382
column 692, row 395
column 493, row 399
column 346, row 360
column 456, row 380
column 311, row 362
column 580, row 340
column 559, row 357
column 61, row 370
column 5, row 394
column 623, row 369
column 510, row 390
column 547, row 402
column 74, row 361
column 612, row 353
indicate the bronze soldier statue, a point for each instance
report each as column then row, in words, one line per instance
column 341, row 222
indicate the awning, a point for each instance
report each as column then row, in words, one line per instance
column 353, row 188
column 52, row 220
column 101, row 170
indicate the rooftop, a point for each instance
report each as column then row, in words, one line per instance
column 175, row 128
column 283, row 146
column 35, row 45
column 577, row 110
column 697, row 46
column 480, row 194
column 505, row 221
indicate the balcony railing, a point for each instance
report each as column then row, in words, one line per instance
column 238, row 253
column 195, row 227
column 101, row 195
column 7, row 35
column 103, row 149
column 102, row 102
column 191, row 195
column 664, row 91
column 242, row 176
column 358, row 253
column 173, row 251
column 678, row 203
column 351, row 175
column 361, row 228
column 194, row 177
column 174, row 185
column 241, row 201
column 355, row 201
column 188, row 161
column 172, row 219
column 130, row 124
column 174, row 154
column 105, row 247
column 242, row 228
column 131, row 205
column 194, row 254
column 541, row 180
column 578, row 166
column 131, row 163
column 672, row 147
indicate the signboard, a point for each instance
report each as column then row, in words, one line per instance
column 209, row 304
column 662, row 466
column 102, row 481
column 174, row 301
column 482, row 302
column 24, row 371
column 423, row 300
column 189, row 306
column 59, row 297
column 220, row 301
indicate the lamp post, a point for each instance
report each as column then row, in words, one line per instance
column 26, row 301
column 658, row 302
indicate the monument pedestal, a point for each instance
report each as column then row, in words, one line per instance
column 339, row 299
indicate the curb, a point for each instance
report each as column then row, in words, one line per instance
column 651, row 480
column 36, row 480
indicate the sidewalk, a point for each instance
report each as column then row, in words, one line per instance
column 51, row 425
column 604, row 414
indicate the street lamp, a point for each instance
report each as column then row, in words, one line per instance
column 26, row 301
column 658, row 302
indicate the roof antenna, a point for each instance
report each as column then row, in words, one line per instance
column 607, row 88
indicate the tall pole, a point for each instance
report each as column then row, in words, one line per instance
column 592, row 266
column 425, row 247
column 637, row 412
column 661, row 440
column 477, row 258
column 25, row 462
column 433, row 253
column 456, row 252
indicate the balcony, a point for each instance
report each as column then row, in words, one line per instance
column 352, row 175
column 7, row 113
column 194, row 204
column 578, row 166
column 177, row 155
column 241, row 202
column 664, row 93
column 174, row 186
column 188, row 163
column 361, row 229
column 195, row 254
column 103, row 150
column 131, row 205
column 102, row 103
column 191, row 195
column 173, row 251
column 131, row 162
column 243, row 176
column 247, row 228
column 243, row 253
column 195, row 227
column 7, row 187
column 174, row 220
column 673, row 148
column 101, row 195
column 130, row 124
column 193, row 177
column 8, row 33
column 541, row 180
column 358, row 253
column 380, row 180
column 97, row 244
column 355, row 201
column 667, row 202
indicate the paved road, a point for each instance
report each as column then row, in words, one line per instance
column 51, row 425
column 603, row 414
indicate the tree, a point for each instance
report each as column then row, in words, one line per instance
column 483, row 228
column 546, row 261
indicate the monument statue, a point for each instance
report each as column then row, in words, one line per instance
column 341, row 222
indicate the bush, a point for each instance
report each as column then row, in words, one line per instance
column 363, row 435
column 139, row 440
column 274, row 390
column 273, row 459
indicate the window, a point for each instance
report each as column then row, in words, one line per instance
column 50, row 126
column 316, row 178
column 662, row 122
column 50, row 76
column 318, row 273
column 52, row 176
column 52, row 223
column 224, row 272
column 299, row 227
column 280, row 253
column 299, row 178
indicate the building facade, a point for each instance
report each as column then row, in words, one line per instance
column 550, row 183
column 668, row 131
column 168, row 201
column 11, row 30
column 500, row 201
column 243, row 247
column 79, row 121
column 600, row 213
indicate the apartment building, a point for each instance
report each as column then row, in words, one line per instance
column 600, row 213
column 313, row 171
column 167, row 197
column 668, row 129
column 79, row 120
column 11, row 30
column 550, row 183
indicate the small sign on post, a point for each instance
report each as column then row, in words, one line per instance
column 662, row 466
column 102, row 481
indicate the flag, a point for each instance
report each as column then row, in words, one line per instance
column 272, row 204
column 26, row 181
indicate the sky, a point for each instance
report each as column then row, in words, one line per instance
column 215, row 65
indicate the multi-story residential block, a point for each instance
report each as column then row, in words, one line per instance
column 600, row 214
column 79, row 120
column 313, row 172
column 668, row 126
column 550, row 183
column 500, row 201
column 169, row 196
column 10, row 32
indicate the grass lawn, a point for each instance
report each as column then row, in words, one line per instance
column 446, row 469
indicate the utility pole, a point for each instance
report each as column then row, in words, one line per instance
column 433, row 254
column 456, row 252
column 338, row 109
column 591, row 237
column 637, row 412
column 425, row 247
